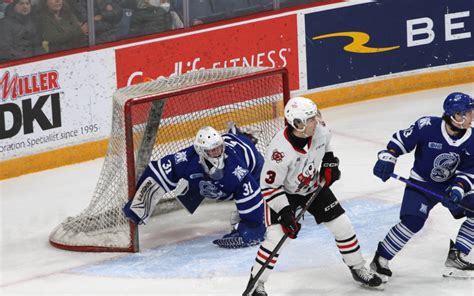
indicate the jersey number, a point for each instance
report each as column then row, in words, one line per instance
column 167, row 166
column 270, row 177
column 247, row 189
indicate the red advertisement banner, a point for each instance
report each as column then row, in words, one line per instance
column 267, row 43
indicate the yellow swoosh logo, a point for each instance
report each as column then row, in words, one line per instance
column 359, row 39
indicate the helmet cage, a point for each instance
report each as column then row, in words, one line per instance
column 207, row 138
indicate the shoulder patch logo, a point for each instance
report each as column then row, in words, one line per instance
column 180, row 157
column 240, row 172
column 425, row 121
column 277, row 156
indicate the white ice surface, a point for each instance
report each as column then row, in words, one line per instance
column 177, row 256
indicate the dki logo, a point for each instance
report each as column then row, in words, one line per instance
column 27, row 114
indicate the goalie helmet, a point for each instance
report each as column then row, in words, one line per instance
column 300, row 109
column 458, row 103
column 207, row 144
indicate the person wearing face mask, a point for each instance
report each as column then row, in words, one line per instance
column 19, row 35
column 153, row 16
column 218, row 167
column 444, row 163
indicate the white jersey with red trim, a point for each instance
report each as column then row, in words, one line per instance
column 289, row 169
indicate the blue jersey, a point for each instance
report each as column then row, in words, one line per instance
column 240, row 182
column 439, row 159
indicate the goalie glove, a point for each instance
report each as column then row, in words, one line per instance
column 140, row 208
column 247, row 234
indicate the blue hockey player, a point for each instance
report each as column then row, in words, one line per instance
column 444, row 163
column 219, row 167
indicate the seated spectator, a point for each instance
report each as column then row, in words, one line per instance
column 60, row 27
column 19, row 37
column 177, row 21
column 235, row 8
column 201, row 11
column 107, row 15
column 152, row 16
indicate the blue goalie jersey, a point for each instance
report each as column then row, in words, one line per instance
column 439, row 158
column 240, row 181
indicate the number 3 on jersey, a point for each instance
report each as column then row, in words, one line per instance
column 270, row 177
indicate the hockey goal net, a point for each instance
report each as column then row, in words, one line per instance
column 153, row 119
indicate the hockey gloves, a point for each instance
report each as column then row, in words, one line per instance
column 453, row 197
column 330, row 169
column 385, row 165
column 247, row 234
column 288, row 222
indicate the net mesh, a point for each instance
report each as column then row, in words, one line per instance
column 164, row 126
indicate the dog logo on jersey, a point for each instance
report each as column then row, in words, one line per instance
column 444, row 166
column 425, row 121
column 277, row 156
column 209, row 190
column 307, row 175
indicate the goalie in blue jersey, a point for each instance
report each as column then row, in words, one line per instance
column 444, row 163
column 219, row 167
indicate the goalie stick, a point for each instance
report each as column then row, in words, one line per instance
column 434, row 194
column 254, row 280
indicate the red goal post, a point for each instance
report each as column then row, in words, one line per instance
column 154, row 119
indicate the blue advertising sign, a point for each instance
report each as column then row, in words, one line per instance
column 385, row 37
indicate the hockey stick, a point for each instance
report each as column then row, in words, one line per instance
column 254, row 280
column 439, row 197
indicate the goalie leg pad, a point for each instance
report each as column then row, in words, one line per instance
column 247, row 234
column 147, row 196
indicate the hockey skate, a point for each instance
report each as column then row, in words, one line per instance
column 258, row 289
column 456, row 264
column 380, row 266
column 367, row 278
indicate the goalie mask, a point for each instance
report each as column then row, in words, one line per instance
column 210, row 147
column 299, row 110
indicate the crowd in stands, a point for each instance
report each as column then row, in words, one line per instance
column 34, row 27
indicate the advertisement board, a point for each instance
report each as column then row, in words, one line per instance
column 51, row 104
column 385, row 37
column 267, row 43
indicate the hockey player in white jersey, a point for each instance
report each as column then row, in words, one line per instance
column 217, row 167
column 296, row 160
column 444, row 163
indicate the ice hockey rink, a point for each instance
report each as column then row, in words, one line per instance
column 177, row 256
